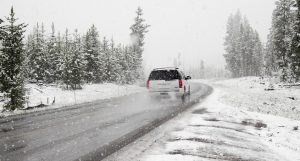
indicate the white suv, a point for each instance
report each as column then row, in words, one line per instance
column 168, row 80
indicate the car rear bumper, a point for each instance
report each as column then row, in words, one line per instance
column 173, row 91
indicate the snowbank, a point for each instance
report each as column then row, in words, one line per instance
column 56, row 97
column 249, row 94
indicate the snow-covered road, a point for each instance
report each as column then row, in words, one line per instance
column 217, row 131
column 88, row 131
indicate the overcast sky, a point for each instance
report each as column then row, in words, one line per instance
column 194, row 28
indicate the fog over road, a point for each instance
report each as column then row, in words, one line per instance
column 88, row 131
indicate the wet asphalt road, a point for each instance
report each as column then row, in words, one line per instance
column 88, row 131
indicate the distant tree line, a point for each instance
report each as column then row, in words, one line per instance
column 75, row 59
column 206, row 72
column 245, row 54
column 199, row 70
column 70, row 58
column 283, row 47
column 244, row 50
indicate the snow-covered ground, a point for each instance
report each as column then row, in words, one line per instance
column 249, row 94
column 56, row 97
column 222, row 129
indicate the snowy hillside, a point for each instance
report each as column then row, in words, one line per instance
column 55, row 97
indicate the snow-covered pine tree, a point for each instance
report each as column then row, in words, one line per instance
column 247, row 48
column 11, row 61
column 106, row 57
column 114, row 62
column 243, row 47
column 138, row 31
column 295, row 56
column 37, row 55
column 59, row 50
column 54, row 57
column 257, row 55
column 76, row 64
column 46, row 65
column 232, row 43
column 66, row 67
column 1, row 38
column 128, row 65
column 29, row 46
column 122, row 66
column 119, row 58
column 1, row 30
column 270, row 63
column 131, row 59
column 282, row 35
column 91, row 48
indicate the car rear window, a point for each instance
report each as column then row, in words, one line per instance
column 164, row 75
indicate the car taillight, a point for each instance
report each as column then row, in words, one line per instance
column 180, row 83
column 148, row 84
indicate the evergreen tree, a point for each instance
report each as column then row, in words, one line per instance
column 257, row 56
column 91, row 47
column 1, row 38
column 269, row 56
column 46, row 67
column 54, row 57
column 1, row 30
column 37, row 54
column 128, row 65
column 248, row 54
column 232, row 44
column 243, row 48
column 76, row 63
column 138, row 31
column 121, row 67
column 281, row 36
column 295, row 51
column 114, row 62
column 59, row 58
column 67, row 57
column 11, row 63
column 28, row 49
column 106, row 57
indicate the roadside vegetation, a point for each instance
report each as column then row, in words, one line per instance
column 70, row 59
column 280, row 57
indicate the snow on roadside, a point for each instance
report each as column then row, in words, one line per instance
column 248, row 93
column 217, row 131
column 56, row 97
